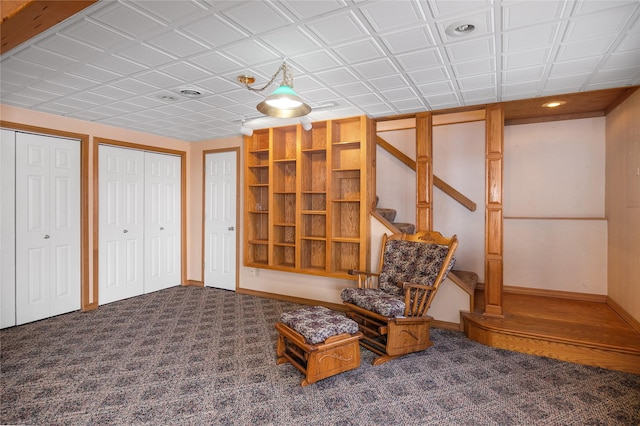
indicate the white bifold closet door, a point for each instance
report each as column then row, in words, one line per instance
column 7, row 228
column 161, row 221
column 47, row 244
column 139, row 222
column 121, row 226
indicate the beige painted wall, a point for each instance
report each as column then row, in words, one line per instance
column 555, row 231
column 459, row 160
column 623, row 204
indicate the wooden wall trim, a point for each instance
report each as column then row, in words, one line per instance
column 95, row 235
column 624, row 314
column 459, row 117
column 299, row 300
column 558, row 294
column 395, row 124
column 620, row 99
column 86, row 302
column 555, row 117
column 124, row 144
column 445, row 325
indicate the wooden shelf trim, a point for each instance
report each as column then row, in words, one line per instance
column 258, row 242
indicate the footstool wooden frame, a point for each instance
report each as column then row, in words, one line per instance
column 337, row 354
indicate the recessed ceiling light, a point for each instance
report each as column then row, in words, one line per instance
column 460, row 28
column 554, row 104
column 190, row 92
column 170, row 98
column 464, row 28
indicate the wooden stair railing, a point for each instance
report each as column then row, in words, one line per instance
column 437, row 182
column 465, row 280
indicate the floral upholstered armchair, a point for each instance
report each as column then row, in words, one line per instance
column 391, row 306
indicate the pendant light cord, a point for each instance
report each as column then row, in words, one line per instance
column 287, row 78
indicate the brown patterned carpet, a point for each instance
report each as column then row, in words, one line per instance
column 190, row 355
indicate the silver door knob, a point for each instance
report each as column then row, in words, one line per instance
column 162, row 228
column 125, row 231
column 46, row 237
column 231, row 228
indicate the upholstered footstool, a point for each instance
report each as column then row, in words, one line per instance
column 319, row 342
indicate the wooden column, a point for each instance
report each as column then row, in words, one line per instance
column 493, row 210
column 424, row 172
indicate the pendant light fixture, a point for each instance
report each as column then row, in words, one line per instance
column 284, row 102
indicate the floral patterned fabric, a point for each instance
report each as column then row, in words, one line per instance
column 317, row 323
column 403, row 261
column 374, row 300
column 418, row 263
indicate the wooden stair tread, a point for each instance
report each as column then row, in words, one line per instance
column 574, row 320
column 389, row 214
column 587, row 332
column 609, row 337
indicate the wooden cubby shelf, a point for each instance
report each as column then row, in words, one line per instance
column 306, row 197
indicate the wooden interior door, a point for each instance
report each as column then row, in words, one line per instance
column 220, row 219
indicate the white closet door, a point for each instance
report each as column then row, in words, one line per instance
column 220, row 220
column 47, row 226
column 121, row 227
column 7, row 228
column 162, row 222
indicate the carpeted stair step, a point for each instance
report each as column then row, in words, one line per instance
column 407, row 228
column 389, row 214
column 465, row 279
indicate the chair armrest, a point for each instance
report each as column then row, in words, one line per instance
column 367, row 273
column 365, row 279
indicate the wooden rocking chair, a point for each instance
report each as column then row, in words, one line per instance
column 391, row 311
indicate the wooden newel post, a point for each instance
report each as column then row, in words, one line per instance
column 424, row 172
column 493, row 210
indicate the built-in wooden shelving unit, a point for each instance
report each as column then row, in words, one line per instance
column 307, row 197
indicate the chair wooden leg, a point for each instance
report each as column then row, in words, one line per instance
column 384, row 358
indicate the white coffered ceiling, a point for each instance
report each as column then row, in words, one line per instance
column 116, row 61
